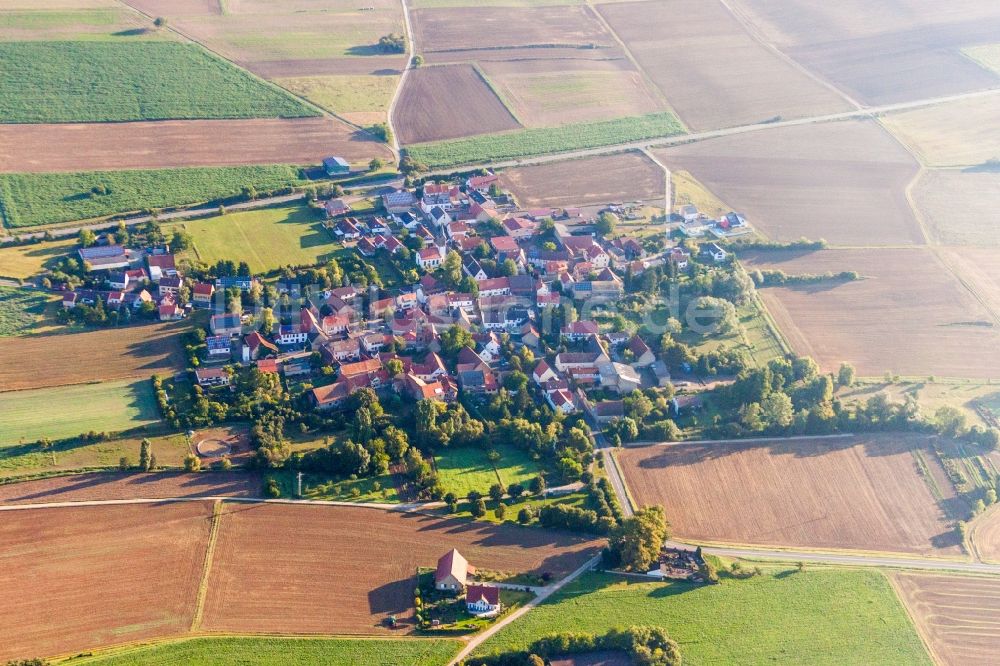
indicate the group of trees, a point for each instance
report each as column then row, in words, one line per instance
column 645, row 646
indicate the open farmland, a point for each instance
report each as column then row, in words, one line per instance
column 958, row 206
column 543, row 93
column 358, row 98
column 116, row 486
column 266, row 239
column 960, row 133
column 679, row 45
column 146, row 80
column 94, row 20
column 979, row 269
column 327, row 580
column 821, row 617
column 861, row 493
column 908, row 314
column 986, row 536
column 71, row 410
column 83, row 577
column 958, row 616
column 181, row 143
column 542, row 140
column 484, row 28
column 93, row 356
column 31, row 199
column 886, row 51
column 21, row 310
column 843, row 181
column 423, row 113
column 265, row 651
column 591, row 180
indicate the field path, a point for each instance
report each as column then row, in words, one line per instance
column 411, row 52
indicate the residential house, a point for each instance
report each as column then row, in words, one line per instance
column 340, row 351
column 366, row 248
column 566, row 360
column 256, row 345
column 519, row 227
column 458, row 230
column 219, row 346
column 169, row 310
column 506, row 247
column 430, row 258
column 118, row 280
column 438, row 216
column 399, row 202
column 689, row 213
column 482, row 600
column 287, row 334
column 619, row 377
column 211, row 377
column 452, row 572
column 679, row 257
column 347, row 229
column 713, row 252
column 440, row 195
column 336, row 206
column 494, row 287
column 169, row 285
column 481, row 184
column 472, row 268
column 604, row 411
column 201, row 294
column 461, row 301
column 561, row 400
column 580, row 330
column 543, row 372
column 642, row 355
column 161, row 265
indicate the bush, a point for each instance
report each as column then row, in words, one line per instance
column 192, row 463
column 271, row 488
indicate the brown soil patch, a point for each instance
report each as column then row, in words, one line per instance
column 429, row 110
column 909, row 314
column 479, row 28
column 712, row 71
column 958, row 616
column 591, row 180
column 85, row 577
column 845, row 182
column 114, row 486
column 546, row 92
column 863, row 493
column 212, row 448
column 181, row 143
column 884, row 52
column 92, row 356
column 344, row 569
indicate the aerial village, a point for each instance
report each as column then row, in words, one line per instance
column 535, row 258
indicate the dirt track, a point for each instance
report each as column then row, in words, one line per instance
column 179, row 143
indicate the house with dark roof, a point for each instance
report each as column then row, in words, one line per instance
column 482, row 600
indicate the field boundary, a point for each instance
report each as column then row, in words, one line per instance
column 199, row 608
column 496, row 91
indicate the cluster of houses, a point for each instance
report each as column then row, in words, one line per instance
column 137, row 279
column 695, row 224
column 452, row 577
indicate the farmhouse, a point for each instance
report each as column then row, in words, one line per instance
column 482, row 600
column 452, row 572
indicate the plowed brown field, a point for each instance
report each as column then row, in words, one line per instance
column 586, row 181
column 160, row 485
column 83, row 577
column 845, row 181
column 986, row 536
column 909, row 314
column 863, row 493
column 429, row 107
column 92, row 356
column 712, row 71
column 302, row 569
column 181, row 143
column 958, row 616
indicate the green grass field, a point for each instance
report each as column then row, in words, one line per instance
column 246, row 651
column 332, row 489
column 537, row 141
column 130, row 80
column 344, row 93
column 464, row 469
column 21, row 310
column 819, row 616
column 67, row 411
column 23, row 261
column 266, row 239
column 30, row 199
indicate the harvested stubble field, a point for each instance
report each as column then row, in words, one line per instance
column 683, row 45
column 92, row 356
column 844, row 181
column 32, row 199
column 960, row 133
column 181, row 143
column 591, row 180
column 423, row 113
column 122, row 486
column 344, row 570
column 84, row 577
column 543, row 93
column 132, row 80
column 979, row 269
column 859, row 493
column 486, row 28
column 908, row 314
column 958, row 616
column 358, row 98
column 959, row 207
column 883, row 52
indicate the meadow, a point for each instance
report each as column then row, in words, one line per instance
column 71, row 410
column 266, row 239
column 818, row 616
column 537, row 141
column 360, row 98
column 31, row 199
column 18, row 262
column 245, row 651
column 116, row 81
column 465, row 469
column 20, row 311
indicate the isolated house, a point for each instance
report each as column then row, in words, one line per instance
column 452, row 572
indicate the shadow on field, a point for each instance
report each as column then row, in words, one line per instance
column 395, row 598
column 154, row 485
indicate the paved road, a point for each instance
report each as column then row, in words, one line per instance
column 544, row 594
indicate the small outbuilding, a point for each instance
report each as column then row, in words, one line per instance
column 336, row 166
